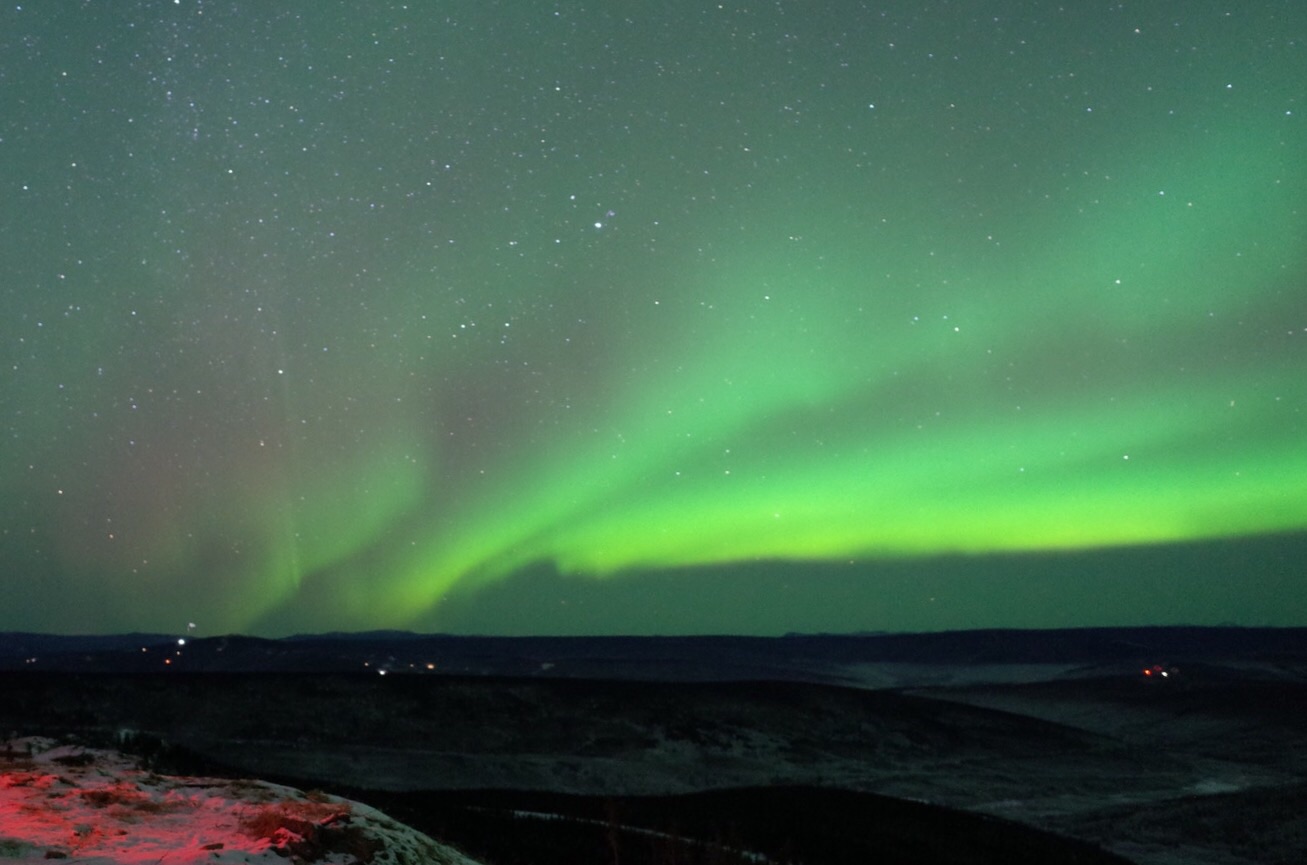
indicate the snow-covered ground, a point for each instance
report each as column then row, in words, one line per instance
column 95, row 807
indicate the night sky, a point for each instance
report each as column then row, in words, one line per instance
column 672, row 317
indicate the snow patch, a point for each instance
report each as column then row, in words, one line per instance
column 96, row 807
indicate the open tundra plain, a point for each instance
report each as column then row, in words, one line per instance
column 1153, row 746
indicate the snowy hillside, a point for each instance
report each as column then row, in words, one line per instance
column 96, row 807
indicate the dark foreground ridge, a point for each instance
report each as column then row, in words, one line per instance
column 1155, row 745
column 779, row 824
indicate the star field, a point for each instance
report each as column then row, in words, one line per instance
column 710, row 317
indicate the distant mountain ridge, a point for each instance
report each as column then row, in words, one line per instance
column 819, row 657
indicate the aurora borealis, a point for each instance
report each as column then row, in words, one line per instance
column 562, row 318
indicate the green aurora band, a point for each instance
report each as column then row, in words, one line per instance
column 974, row 320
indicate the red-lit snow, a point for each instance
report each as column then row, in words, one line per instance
column 95, row 807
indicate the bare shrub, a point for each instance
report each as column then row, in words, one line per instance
column 310, row 830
